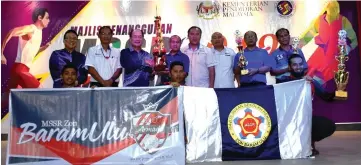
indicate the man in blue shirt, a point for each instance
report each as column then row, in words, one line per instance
column 259, row 63
column 138, row 64
column 281, row 55
column 60, row 58
column 174, row 55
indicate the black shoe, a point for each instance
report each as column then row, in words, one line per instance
column 315, row 152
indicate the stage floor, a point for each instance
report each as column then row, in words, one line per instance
column 344, row 147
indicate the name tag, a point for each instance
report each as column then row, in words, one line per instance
column 227, row 54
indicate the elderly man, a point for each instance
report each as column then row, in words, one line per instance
column 259, row 63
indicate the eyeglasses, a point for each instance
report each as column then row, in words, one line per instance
column 106, row 34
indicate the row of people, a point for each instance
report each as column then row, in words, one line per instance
column 215, row 67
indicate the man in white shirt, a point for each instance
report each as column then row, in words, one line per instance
column 202, row 61
column 103, row 61
column 224, row 57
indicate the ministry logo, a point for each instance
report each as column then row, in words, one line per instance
column 285, row 8
column 208, row 10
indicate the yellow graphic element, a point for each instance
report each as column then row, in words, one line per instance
column 6, row 116
column 42, row 77
column 243, row 122
column 249, row 141
column 60, row 32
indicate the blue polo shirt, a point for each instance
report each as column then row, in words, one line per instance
column 179, row 56
column 280, row 56
column 256, row 58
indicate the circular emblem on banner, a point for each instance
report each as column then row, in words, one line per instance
column 249, row 124
column 285, row 8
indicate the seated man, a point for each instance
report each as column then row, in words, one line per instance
column 176, row 74
column 321, row 126
column 69, row 76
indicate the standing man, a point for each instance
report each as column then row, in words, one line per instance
column 259, row 63
column 60, row 58
column 202, row 61
column 281, row 55
column 138, row 64
column 30, row 37
column 175, row 55
column 224, row 57
column 103, row 62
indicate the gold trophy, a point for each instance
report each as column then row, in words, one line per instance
column 159, row 50
column 242, row 61
column 295, row 42
column 341, row 75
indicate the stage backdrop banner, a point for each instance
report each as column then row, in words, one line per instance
column 96, row 126
column 304, row 19
column 270, row 122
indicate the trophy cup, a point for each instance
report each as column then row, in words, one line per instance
column 158, row 49
column 341, row 75
column 242, row 61
column 295, row 42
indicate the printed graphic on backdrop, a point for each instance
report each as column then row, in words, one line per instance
column 122, row 126
column 308, row 21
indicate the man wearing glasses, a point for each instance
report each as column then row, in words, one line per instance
column 103, row 61
column 60, row 58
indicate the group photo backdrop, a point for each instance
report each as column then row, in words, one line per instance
column 302, row 18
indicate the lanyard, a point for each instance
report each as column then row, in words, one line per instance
column 110, row 53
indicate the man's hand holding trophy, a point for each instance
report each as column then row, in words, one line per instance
column 242, row 61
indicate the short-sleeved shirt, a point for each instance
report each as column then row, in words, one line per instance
column 136, row 70
column 224, row 68
column 106, row 67
column 256, row 58
column 200, row 60
column 281, row 56
column 179, row 56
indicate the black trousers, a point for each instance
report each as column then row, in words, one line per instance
column 115, row 84
column 322, row 128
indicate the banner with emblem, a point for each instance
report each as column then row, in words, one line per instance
column 96, row 126
column 268, row 122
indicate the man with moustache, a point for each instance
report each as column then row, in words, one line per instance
column 259, row 63
column 69, row 76
column 202, row 61
column 60, row 58
column 224, row 57
column 174, row 55
column 103, row 61
column 281, row 55
column 138, row 64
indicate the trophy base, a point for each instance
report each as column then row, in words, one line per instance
column 341, row 95
column 244, row 72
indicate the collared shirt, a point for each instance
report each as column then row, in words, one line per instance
column 60, row 58
column 200, row 60
column 179, row 56
column 256, row 58
column 96, row 57
column 280, row 56
column 136, row 71
column 224, row 68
